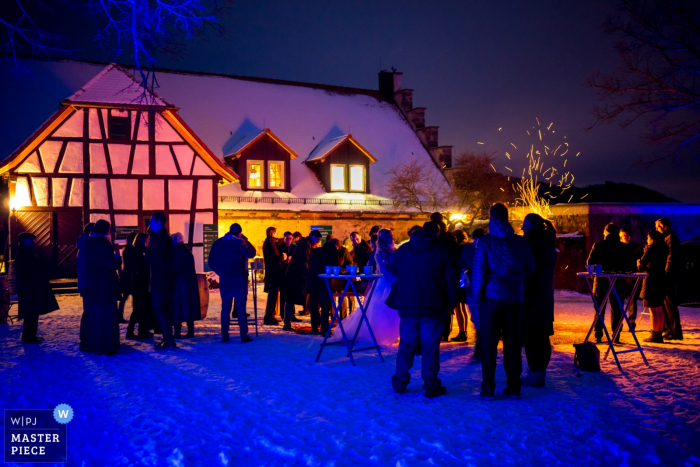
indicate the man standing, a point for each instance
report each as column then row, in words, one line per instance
column 34, row 294
column 295, row 278
column 273, row 274
column 424, row 290
column 159, row 256
column 287, row 247
column 672, row 319
column 229, row 259
column 502, row 261
column 361, row 250
column 327, row 255
column 635, row 252
column 614, row 256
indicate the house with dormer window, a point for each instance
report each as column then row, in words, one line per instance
column 207, row 149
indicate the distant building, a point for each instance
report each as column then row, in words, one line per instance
column 208, row 149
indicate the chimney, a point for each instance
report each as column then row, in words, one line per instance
column 416, row 116
column 429, row 136
column 389, row 83
column 442, row 155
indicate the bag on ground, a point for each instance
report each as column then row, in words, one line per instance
column 587, row 357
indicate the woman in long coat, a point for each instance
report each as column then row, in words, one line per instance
column 102, row 292
column 186, row 307
column 653, row 262
column 125, row 275
column 34, row 294
column 273, row 274
column 295, row 277
column 140, row 277
column 538, row 299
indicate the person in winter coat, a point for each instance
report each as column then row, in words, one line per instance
column 82, row 273
column 424, row 290
column 159, row 257
column 327, row 255
column 636, row 251
column 538, row 299
column 653, row 262
column 466, row 265
column 295, row 277
column 674, row 265
column 360, row 249
column 287, row 247
column 142, row 313
column 186, row 308
column 373, row 232
column 228, row 258
column 460, row 310
column 34, row 294
column 102, row 291
column 273, row 274
column 450, row 241
column 614, row 256
column 502, row 262
column 125, row 275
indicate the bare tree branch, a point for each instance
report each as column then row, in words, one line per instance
column 658, row 80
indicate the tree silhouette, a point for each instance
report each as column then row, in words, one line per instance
column 141, row 28
column 658, row 80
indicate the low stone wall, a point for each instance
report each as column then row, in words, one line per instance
column 254, row 226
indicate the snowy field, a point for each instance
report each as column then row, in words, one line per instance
column 268, row 403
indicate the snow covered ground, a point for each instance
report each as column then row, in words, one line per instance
column 268, row 403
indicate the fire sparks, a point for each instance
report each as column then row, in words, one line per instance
column 538, row 173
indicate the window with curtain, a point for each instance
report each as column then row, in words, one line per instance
column 357, row 178
column 255, row 174
column 276, row 176
column 337, row 177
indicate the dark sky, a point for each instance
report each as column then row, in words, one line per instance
column 476, row 66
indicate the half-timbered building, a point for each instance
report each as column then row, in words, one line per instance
column 112, row 151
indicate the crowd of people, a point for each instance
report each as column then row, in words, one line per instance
column 156, row 270
column 660, row 259
column 501, row 282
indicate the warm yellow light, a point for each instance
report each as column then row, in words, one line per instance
column 457, row 217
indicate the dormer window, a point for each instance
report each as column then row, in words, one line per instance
column 262, row 160
column 276, row 175
column 357, row 178
column 341, row 165
column 337, row 177
column 255, row 174
column 119, row 123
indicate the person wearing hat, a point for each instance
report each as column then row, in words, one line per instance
column 34, row 294
column 101, row 292
column 502, row 262
column 228, row 258
column 160, row 256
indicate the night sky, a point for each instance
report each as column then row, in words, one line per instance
column 476, row 66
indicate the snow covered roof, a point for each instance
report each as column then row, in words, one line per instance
column 114, row 85
column 223, row 110
column 249, row 140
column 327, row 146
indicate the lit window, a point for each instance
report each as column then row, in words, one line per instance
column 255, row 174
column 357, row 178
column 276, row 176
column 337, row 177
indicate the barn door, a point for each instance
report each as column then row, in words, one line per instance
column 67, row 227
column 56, row 235
column 39, row 224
